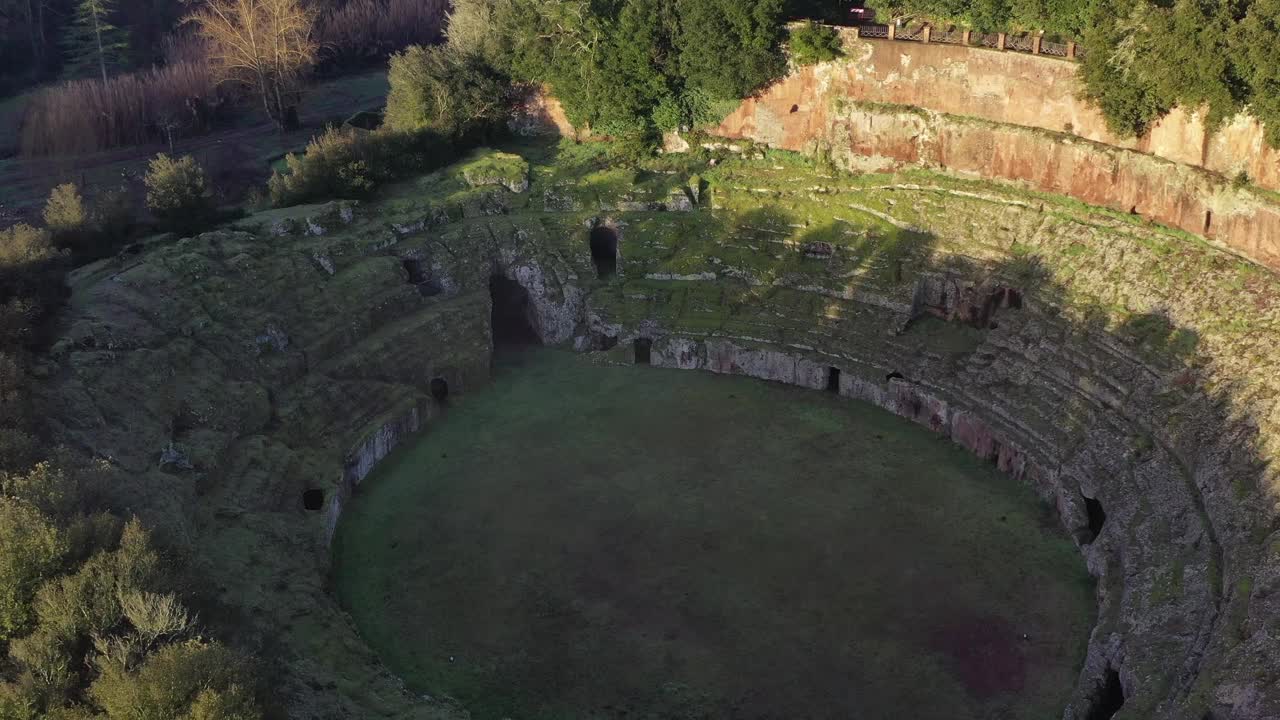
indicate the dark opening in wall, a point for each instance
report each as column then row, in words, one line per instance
column 1108, row 698
column 427, row 286
column 644, row 351
column 795, row 109
column 833, row 380
column 893, row 376
column 511, row 313
column 440, row 390
column 1208, row 221
column 604, row 251
column 1097, row 517
column 1013, row 298
column 413, row 266
column 313, row 499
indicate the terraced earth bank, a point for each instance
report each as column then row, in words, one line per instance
column 247, row 380
column 584, row 540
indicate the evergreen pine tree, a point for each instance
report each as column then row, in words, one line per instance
column 91, row 42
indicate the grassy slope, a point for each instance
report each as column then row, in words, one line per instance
column 588, row 541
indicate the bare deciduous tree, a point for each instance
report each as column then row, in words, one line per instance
column 266, row 45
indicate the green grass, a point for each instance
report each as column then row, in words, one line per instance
column 489, row 167
column 580, row 540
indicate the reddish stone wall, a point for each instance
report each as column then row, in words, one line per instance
column 1017, row 97
column 1018, row 89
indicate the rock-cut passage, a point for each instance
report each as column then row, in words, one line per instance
column 604, row 250
column 511, row 312
column 587, row 541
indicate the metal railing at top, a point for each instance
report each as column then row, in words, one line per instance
column 951, row 36
column 873, row 31
column 911, row 33
column 1053, row 48
column 1020, row 43
column 1025, row 43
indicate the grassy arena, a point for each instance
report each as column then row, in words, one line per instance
column 587, row 541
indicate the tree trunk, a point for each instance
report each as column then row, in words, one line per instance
column 31, row 32
column 97, row 36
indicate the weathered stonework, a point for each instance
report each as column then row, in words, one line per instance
column 1104, row 382
column 1008, row 116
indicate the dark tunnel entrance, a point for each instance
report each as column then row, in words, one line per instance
column 1097, row 517
column 833, row 380
column 440, row 390
column 511, row 313
column 313, row 499
column 604, row 251
column 644, row 351
column 1108, row 698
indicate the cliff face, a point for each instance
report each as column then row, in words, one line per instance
column 1128, row 375
column 1019, row 89
column 1016, row 117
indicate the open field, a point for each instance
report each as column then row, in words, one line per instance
column 587, row 541
column 236, row 158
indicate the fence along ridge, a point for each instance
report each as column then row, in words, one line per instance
column 1031, row 43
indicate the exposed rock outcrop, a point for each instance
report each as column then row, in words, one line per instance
column 1002, row 116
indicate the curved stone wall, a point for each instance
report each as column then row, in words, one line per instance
column 1017, row 117
column 1097, row 358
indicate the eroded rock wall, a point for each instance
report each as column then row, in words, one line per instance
column 986, row 114
column 1002, row 87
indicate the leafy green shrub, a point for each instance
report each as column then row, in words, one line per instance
column 26, row 256
column 193, row 679
column 178, row 193
column 474, row 29
column 64, row 212
column 812, row 43
column 350, row 163
column 31, row 548
column 444, row 90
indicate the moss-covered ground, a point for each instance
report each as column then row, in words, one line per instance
column 582, row 540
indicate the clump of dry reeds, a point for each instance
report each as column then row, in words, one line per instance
column 84, row 116
column 361, row 30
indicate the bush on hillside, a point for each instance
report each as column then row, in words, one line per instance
column 178, row 193
column 64, row 212
column 634, row 68
column 473, row 28
column 445, row 91
column 349, row 163
column 192, row 679
column 31, row 547
column 749, row 32
column 25, row 254
column 812, row 43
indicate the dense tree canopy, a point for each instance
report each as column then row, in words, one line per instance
column 629, row 68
